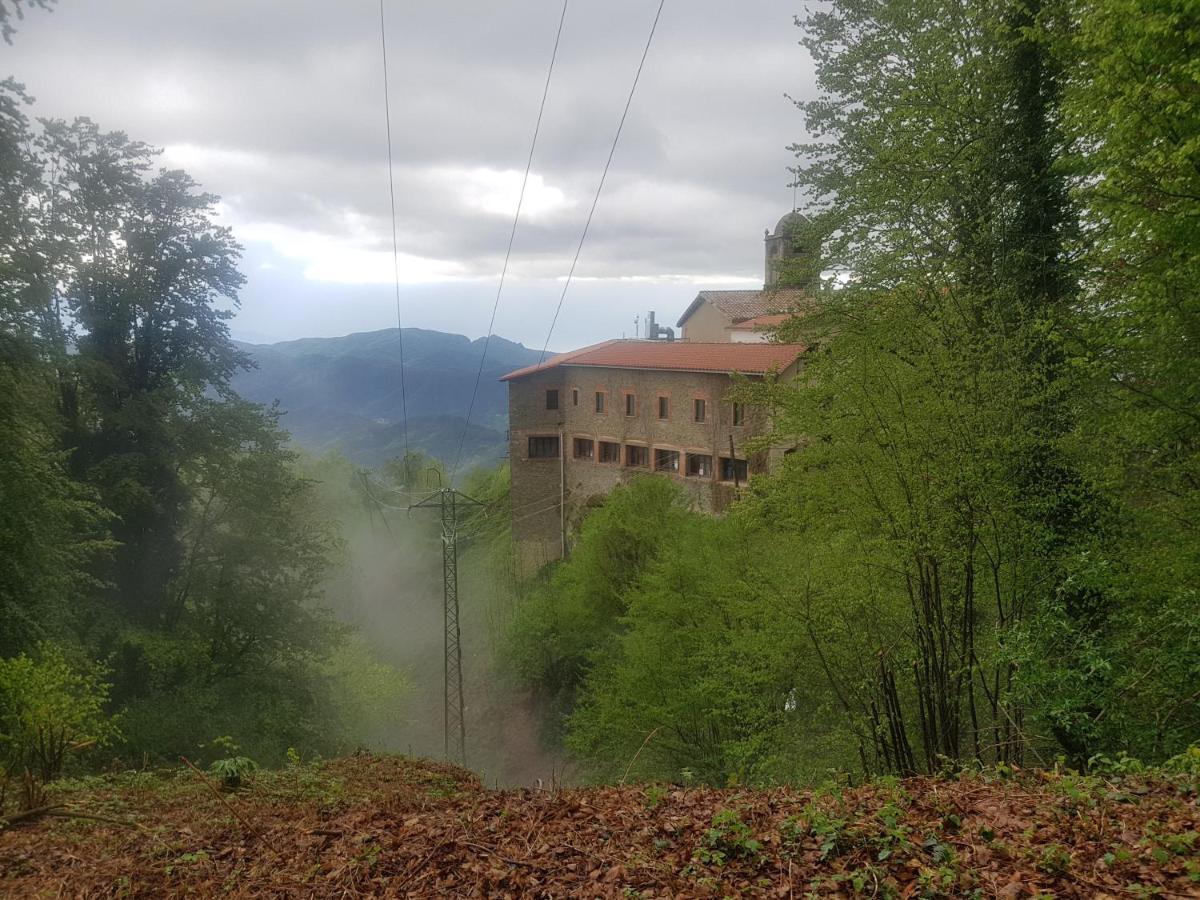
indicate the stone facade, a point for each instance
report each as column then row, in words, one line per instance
column 553, row 484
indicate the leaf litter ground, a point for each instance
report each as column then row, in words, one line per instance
column 388, row 826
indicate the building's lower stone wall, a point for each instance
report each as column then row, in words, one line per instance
column 540, row 485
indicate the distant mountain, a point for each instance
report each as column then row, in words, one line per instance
column 344, row 393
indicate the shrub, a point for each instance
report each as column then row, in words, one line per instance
column 49, row 707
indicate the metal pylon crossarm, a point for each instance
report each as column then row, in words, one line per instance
column 448, row 501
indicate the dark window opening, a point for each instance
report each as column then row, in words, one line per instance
column 599, row 401
column 699, row 409
column 699, row 465
column 666, row 460
column 552, row 399
column 543, row 446
column 637, row 457
column 610, row 452
column 664, row 407
column 739, row 413
column 734, row 470
column 585, row 448
column 630, row 405
column 574, row 396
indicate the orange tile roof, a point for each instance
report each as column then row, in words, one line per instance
column 742, row 305
column 679, row 356
column 770, row 321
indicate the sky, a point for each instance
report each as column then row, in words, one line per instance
column 277, row 107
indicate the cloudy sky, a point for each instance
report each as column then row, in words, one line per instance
column 277, row 106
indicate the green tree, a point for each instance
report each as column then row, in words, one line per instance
column 139, row 301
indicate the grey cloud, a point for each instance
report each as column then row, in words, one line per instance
column 284, row 97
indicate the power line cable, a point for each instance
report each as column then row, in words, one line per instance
column 603, row 176
column 511, row 236
column 387, row 111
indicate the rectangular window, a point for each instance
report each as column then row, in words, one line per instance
column 599, row 401
column 664, row 407
column 630, row 404
column 574, row 396
column 699, row 409
column 739, row 413
column 637, row 457
column 610, row 452
column 543, row 446
column 552, row 399
column 585, row 448
column 699, row 465
column 734, row 470
column 666, row 460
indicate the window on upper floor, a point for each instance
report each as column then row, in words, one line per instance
column 699, row 409
column 552, row 399
column 574, row 396
column 543, row 446
column 664, row 407
column 599, row 401
column 739, row 413
column 631, row 404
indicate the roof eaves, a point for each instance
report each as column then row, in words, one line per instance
column 692, row 307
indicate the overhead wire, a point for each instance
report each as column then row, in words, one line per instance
column 511, row 237
column 387, row 109
column 603, row 176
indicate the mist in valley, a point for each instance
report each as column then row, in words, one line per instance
column 388, row 588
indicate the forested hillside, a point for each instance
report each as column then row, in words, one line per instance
column 344, row 393
column 981, row 558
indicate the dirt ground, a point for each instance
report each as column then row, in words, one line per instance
column 388, row 826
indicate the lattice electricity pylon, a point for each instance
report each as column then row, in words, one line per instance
column 454, row 710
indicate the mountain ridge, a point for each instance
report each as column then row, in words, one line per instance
column 346, row 393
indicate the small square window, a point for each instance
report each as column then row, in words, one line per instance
column 699, row 409
column 699, row 465
column 739, row 413
column 637, row 457
column 666, row 460
column 552, row 399
column 543, row 446
column 585, row 448
column 599, row 401
column 610, row 452
column 630, row 404
column 664, row 407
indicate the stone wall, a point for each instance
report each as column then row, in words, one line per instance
column 537, row 484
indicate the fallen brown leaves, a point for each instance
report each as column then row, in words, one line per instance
column 385, row 826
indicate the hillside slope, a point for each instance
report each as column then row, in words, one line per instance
column 344, row 392
column 385, row 826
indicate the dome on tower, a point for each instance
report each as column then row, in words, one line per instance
column 790, row 221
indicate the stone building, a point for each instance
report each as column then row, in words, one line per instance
column 586, row 421
column 748, row 316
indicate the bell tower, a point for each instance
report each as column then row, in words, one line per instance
column 784, row 245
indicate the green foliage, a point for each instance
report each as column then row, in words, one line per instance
column 573, row 616
column 234, row 772
column 50, row 706
column 727, row 837
column 148, row 516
